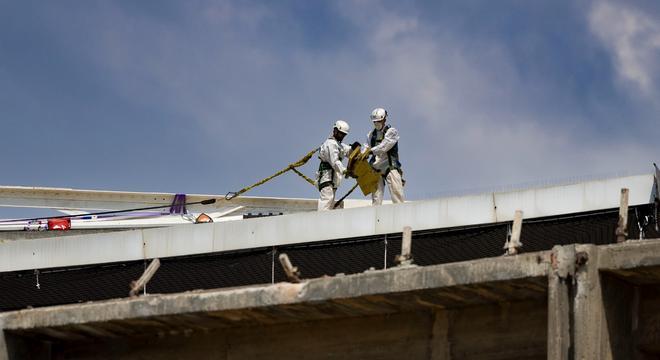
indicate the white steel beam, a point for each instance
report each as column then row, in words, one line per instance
column 63, row 198
column 78, row 199
column 318, row 226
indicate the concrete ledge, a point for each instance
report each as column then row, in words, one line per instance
column 630, row 254
column 635, row 261
column 565, row 302
column 464, row 283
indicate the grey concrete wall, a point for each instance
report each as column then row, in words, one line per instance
column 504, row 331
column 576, row 302
column 499, row 331
column 646, row 325
column 618, row 302
column 379, row 337
column 607, row 302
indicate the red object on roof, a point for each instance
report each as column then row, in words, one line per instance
column 59, row 224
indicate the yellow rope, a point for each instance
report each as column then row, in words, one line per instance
column 345, row 196
column 292, row 166
column 304, row 176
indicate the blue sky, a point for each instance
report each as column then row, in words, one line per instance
column 209, row 96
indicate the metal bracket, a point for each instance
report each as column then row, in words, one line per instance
column 36, row 274
column 642, row 224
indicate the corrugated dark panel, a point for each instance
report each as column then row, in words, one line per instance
column 19, row 290
column 581, row 230
column 430, row 248
column 214, row 271
column 348, row 256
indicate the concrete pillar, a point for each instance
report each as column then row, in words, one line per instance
column 560, row 296
column 559, row 317
column 4, row 352
column 439, row 346
column 588, row 314
column 603, row 310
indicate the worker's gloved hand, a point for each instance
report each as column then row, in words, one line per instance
column 365, row 154
column 355, row 145
column 345, row 174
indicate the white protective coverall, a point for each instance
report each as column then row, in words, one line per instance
column 331, row 152
column 381, row 164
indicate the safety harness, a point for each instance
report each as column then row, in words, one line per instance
column 323, row 167
column 392, row 155
column 326, row 166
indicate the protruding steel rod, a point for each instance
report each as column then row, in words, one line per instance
column 406, row 248
column 513, row 243
column 622, row 227
column 149, row 272
column 292, row 273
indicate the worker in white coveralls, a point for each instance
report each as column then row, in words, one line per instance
column 383, row 146
column 331, row 169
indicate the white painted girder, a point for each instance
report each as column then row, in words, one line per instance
column 104, row 200
column 573, row 198
column 63, row 198
column 318, row 226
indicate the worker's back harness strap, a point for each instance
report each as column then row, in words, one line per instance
column 392, row 155
column 230, row 195
column 325, row 166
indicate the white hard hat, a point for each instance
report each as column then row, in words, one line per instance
column 342, row 126
column 379, row 114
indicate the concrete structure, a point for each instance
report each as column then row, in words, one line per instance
column 574, row 302
column 570, row 301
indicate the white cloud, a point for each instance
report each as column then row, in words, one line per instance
column 460, row 104
column 633, row 39
column 465, row 114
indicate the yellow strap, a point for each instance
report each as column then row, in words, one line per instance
column 345, row 196
column 292, row 166
column 304, row 176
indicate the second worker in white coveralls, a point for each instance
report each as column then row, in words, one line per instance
column 383, row 146
column 331, row 169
